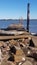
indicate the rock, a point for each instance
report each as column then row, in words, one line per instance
column 27, row 63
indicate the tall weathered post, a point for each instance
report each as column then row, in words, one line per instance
column 28, row 11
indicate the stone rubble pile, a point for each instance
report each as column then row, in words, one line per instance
column 18, row 52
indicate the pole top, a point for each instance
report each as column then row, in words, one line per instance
column 28, row 4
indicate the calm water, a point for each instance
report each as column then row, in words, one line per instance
column 6, row 23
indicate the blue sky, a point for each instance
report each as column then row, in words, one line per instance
column 14, row 9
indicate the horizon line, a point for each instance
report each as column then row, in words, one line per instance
column 14, row 19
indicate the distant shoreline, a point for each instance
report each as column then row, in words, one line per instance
column 15, row 19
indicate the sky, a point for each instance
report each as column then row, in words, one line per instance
column 15, row 9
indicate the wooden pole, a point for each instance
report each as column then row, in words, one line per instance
column 28, row 17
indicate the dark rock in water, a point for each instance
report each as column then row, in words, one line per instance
column 13, row 49
column 31, row 43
